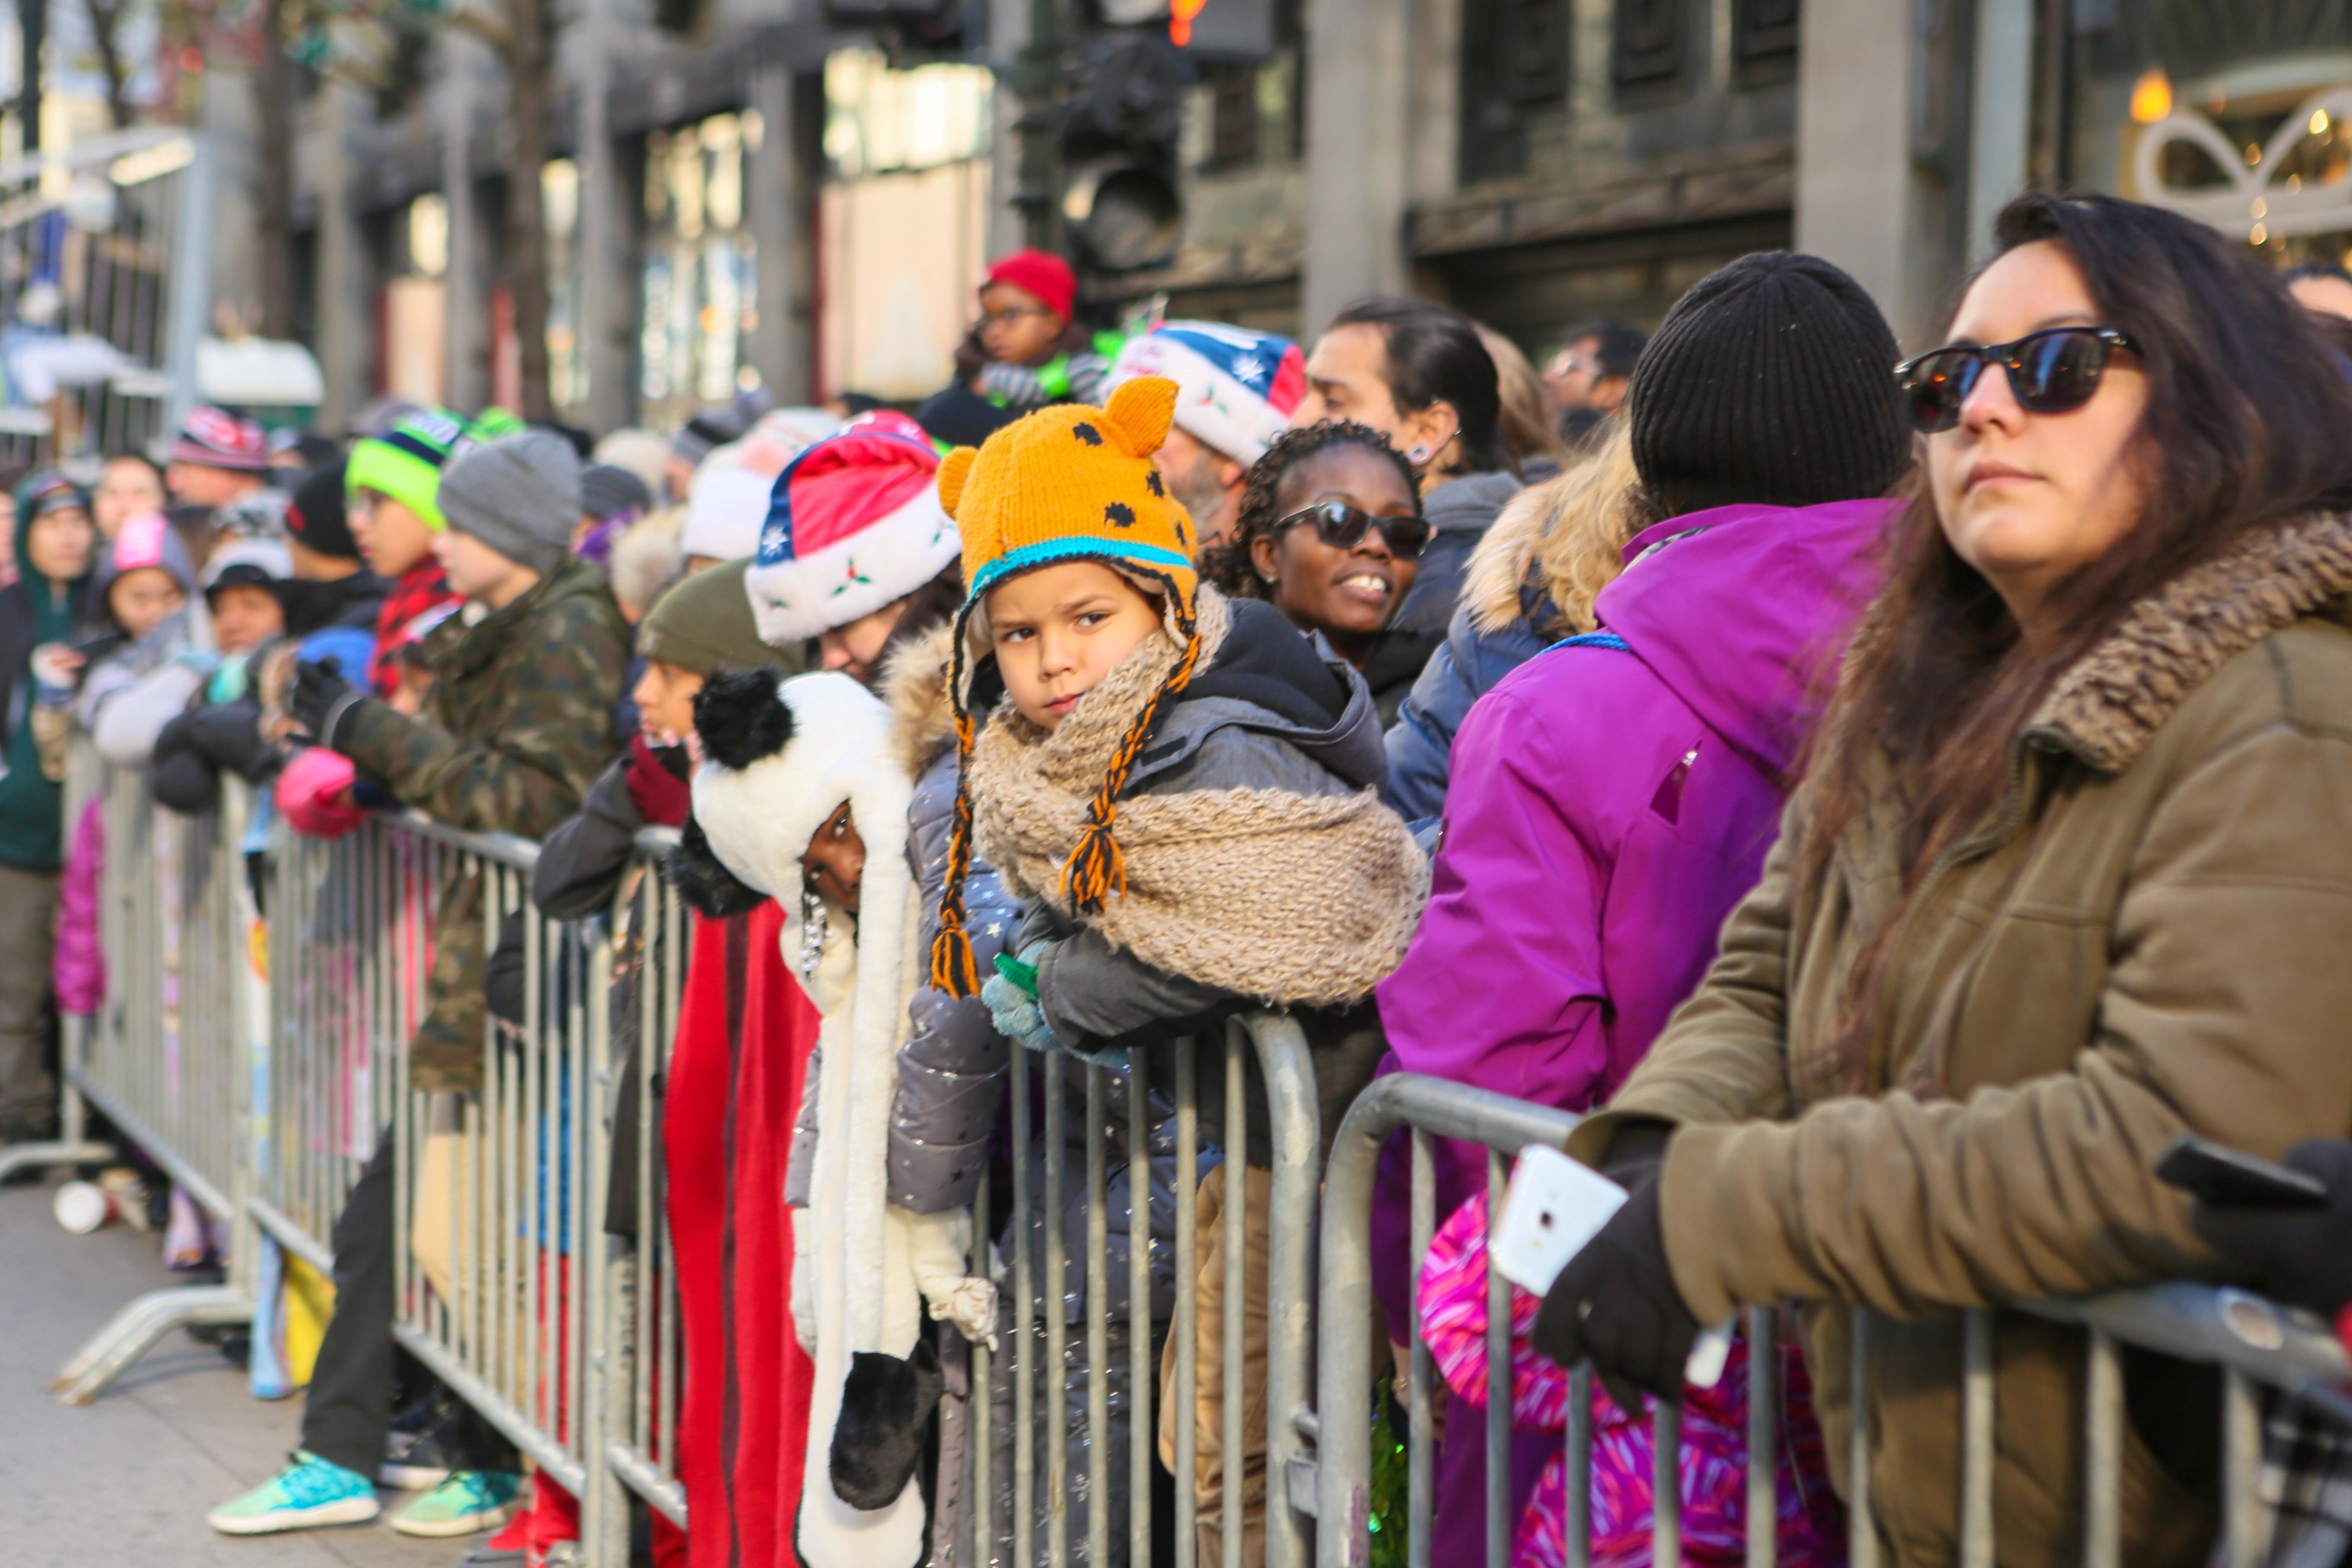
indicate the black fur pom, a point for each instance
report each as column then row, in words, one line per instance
column 740, row 719
column 886, row 1408
column 713, row 891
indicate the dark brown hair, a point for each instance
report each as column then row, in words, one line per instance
column 2244, row 429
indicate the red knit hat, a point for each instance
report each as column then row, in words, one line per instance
column 1041, row 273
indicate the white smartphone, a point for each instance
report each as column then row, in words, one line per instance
column 1552, row 1208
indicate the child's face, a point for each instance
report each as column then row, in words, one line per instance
column 141, row 598
column 391, row 537
column 1057, row 630
column 834, row 862
column 478, row 572
column 856, row 649
column 665, row 698
column 1016, row 327
column 245, row 617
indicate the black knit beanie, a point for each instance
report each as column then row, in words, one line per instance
column 317, row 515
column 1773, row 381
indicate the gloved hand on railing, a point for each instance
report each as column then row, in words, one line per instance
column 2302, row 1256
column 1010, row 996
column 320, row 697
column 1615, row 1303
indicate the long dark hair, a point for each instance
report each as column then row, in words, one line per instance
column 1228, row 564
column 2244, row 429
column 1435, row 355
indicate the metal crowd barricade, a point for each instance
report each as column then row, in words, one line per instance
column 644, row 1372
column 166, row 1055
column 2257, row 1345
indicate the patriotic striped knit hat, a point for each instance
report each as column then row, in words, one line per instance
column 405, row 463
column 215, row 438
column 853, row 524
column 1236, row 388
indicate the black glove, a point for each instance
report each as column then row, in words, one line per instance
column 1615, row 1304
column 2302, row 1256
column 319, row 696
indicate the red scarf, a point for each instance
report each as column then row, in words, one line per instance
column 420, row 590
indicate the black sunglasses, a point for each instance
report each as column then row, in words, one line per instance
column 2053, row 372
column 1343, row 527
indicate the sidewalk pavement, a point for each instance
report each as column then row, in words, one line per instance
column 125, row 1482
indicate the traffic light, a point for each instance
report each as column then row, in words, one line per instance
column 1120, row 128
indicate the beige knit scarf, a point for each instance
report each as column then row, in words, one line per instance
column 1284, row 897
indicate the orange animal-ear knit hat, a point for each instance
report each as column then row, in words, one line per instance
column 1066, row 483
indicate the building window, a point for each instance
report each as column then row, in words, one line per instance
column 1763, row 40
column 1514, row 64
column 700, row 300
column 1648, row 44
column 1233, row 115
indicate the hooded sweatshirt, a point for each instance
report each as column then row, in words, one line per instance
column 1611, row 799
column 33, row 610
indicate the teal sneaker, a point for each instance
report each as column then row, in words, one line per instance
column 468, row 1502
column 306, row 1494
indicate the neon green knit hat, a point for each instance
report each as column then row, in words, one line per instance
column 407, row 463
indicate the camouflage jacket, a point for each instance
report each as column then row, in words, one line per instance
column 517, row 727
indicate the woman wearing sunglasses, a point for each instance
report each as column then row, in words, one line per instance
column 1610, row 799
column 2070, row 876
column 1329, row 529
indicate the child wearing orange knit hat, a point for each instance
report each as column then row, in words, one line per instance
column 1183, row 787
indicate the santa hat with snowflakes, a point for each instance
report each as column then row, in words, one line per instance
column 1236, row 388
column 853, row 524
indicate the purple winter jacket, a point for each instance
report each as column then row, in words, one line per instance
column 1607, row 807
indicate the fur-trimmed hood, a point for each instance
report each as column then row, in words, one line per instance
column 2105, row 708
column 915, row 685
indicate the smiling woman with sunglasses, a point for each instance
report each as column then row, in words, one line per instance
column 1329, row 529
column 2071, row 876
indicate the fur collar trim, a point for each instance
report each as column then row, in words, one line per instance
column 916, row 688
column 2107, row 707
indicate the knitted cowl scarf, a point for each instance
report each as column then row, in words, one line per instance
column 1290, row 898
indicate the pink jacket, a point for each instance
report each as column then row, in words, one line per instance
column 80, row 964
column 1809, row 1524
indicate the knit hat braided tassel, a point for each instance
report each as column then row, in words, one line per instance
column 1095, row 865
column 953, row 968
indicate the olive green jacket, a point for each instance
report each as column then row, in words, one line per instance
column 2151, row 936
column 517, row 726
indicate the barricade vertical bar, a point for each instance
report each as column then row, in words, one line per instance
column 1578, row 1469
column 1186, row 1326
column 983, row 1407
column 1763, row 1434
column 1055, row 1292
column 1667, row 1483
column 1099, row 1325
column 1862, row 1530
column 1976, row 1441
column 1234, row 1216
column 2102, row 1446
column 1024, row 1342
column 1421, row 1480
column 1143, row 1435
column 2245, row 1522
column 1498, row 1385
column 1294, row 1119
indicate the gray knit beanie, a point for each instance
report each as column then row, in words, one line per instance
column 1772, row 381
column 518, row 494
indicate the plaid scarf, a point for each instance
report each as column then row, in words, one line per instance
column 420, row 590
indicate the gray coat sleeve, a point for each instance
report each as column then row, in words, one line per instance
column 951, row 1068
column 124, row 724
column 580, row 862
